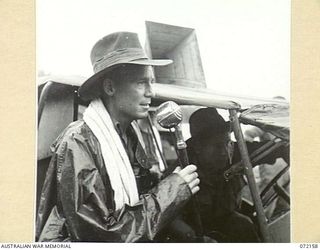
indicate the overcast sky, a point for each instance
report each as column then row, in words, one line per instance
column 244, row 45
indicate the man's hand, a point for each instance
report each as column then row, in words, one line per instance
column 190, row 176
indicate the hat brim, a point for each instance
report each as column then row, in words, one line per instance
column 87, row 90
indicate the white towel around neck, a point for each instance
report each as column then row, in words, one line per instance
column 116, row 160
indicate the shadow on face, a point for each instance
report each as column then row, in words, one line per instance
column 212, row 152
column 128, row 92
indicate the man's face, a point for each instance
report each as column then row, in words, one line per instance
column 132, row 96
column 212, row 153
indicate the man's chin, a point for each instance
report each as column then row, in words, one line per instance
column 142, row 115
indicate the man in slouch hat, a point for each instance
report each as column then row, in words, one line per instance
column 99, row 186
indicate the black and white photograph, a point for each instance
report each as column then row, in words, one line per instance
column 163, row 121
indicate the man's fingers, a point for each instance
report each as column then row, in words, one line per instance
column 195, row 174
column 194, row 183
column 177, row 169
column 188, row 170
column 195, row 190
column 190, row 177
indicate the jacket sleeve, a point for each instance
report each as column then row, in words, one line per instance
column 84, row 200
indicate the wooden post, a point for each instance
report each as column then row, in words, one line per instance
column 262, row 221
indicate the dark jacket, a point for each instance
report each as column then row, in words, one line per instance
column 76, row 202
column 219, row 198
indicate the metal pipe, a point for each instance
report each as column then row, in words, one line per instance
column 268, row 200
column 267, row 152
column 181, row 149
column 262, row 148
column 282, row 192
column 262, row 221
column 75, row 103
column 274, row 180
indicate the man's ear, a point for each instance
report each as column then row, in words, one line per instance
column 108, row 87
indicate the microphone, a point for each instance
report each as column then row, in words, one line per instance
column 169, row 115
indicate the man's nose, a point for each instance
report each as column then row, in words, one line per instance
column 149, row 91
